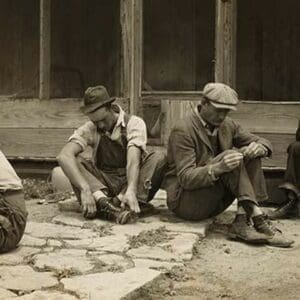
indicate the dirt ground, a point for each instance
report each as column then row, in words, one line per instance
column 221, row 268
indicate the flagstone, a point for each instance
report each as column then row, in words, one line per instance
column 65, row 259
column 48, row 230
column 17, row 256
column 109, row 285
column 28, row 240
column 46, row 295
column 12, row 277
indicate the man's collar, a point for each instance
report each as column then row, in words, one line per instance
column 204, row 123
column 121, row 120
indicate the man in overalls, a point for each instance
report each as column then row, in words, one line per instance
column 122, row 177
column 13, row 212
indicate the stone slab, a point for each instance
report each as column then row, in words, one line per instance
column 45, row 295
column 65, row 259
column 156, row 264
column 5, row 294
column 12, row 277
column 70, row 219
column 107, row 243
column 114, row 260
column 182, row 245
column 54, row 243
column 198, row 228
column 28, row 240
column 17, row 256
column 136, row 228
column 55, row 231
column 155, row 253
column 103, row 285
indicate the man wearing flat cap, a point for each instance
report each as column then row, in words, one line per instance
column 122, row 177
column 212, row 161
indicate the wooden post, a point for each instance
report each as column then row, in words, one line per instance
column 225, row 68
column 132, row 46
column 45, row 58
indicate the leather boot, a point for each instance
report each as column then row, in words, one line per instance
column 284, row 211
column 275, row 236
column 242, row 229
column 109, row 210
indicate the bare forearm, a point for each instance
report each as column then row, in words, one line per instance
column 133, row 168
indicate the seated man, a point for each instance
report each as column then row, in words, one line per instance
column 291, row 183
column 13, row 212
column 122, row 177
column 212, row 161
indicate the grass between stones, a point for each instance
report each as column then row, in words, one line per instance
column 149, row 238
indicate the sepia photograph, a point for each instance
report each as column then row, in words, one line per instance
column 149, row 150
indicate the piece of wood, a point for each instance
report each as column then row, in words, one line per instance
column 225, row 41
column 33, row 142
column 45, row 50
column 35, row 113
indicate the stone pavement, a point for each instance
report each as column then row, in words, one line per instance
column 72, row 258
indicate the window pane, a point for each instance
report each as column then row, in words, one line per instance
column 178, row 44
column 19, row 54
column 268, row 42
column 85, row 39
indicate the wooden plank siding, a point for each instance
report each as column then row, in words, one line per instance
column 34, row 129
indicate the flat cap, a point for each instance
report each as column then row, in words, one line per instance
column 221, row 95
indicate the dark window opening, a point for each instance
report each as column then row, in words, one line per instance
column 19, row 54
column 178, row 44
column 85, row 46
column 268, row 56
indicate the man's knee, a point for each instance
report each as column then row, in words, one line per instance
column 294, row 148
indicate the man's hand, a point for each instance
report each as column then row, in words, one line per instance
column 254, row 150
column 130, row 199
column 230, row 161
column 88, row 203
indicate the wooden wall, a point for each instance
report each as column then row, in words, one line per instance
column 268, row 42
column 38, row 129
column 178, row 44
column 19, row 47
column 85, row 46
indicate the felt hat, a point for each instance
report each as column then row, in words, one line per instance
column 94, row 98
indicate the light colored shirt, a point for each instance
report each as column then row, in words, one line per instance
column 136, row 133
column 9, row 180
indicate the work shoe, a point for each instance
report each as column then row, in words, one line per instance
column 242, row 229
column 275, row 236
column 108, row 210
column 284, row 211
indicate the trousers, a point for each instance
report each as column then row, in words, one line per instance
column 292, row 173
column 246, row 183
column 13, row 216
column 113, row 182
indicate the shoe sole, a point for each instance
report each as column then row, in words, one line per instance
column 234, row 236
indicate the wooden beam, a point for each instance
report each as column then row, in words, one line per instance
column 225, row 67
column 35, row 113
column 132, row 38
column 45, row 52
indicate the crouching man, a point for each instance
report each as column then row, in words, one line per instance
column 13, row 212
column 122, row 177
column 212, row 161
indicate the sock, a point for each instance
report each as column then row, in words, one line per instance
column 98, row 194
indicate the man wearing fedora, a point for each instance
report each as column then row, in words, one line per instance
column 212, row 161
column 122, row 176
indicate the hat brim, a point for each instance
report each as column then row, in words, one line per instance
column 86, row 109
column 224, row 106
